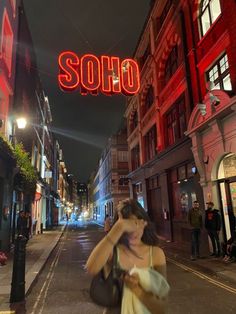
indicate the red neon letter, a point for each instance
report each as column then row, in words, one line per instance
column 90, row 72
column 130, row 77
column 68, row 77
column 110, row 75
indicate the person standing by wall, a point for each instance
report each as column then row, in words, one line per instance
column 213, row 226
column 195, row 221
column 21, row 223
column 28, row 225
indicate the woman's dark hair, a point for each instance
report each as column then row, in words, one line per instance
column 130, row 207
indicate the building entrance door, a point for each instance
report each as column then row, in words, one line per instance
column 227, row 189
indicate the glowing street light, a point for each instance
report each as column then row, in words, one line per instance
column 21, row 122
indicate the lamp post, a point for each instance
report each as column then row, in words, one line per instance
column 18, row 274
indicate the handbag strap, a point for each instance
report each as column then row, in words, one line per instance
column 115, row 265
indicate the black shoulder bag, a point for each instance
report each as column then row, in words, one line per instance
column 107, row 291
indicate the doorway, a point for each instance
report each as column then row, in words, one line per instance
column 227, row 190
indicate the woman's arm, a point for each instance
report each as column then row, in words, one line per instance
column 101, row 253
column 103, row 250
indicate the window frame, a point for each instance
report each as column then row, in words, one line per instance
column 210, row 15
column 135, row 157
column 172, row 63
column 221, row 75
column 150, row 143
column 174, row 129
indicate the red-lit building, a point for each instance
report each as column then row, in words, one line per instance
column 177, row 154
column 8, row 39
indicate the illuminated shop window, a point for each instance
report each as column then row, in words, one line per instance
column 176, row 122
column 171, row 63
column 219, row 74
column 209, row 11
column 150, row 142
column 6, row 42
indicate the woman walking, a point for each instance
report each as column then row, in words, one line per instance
column 139, row 256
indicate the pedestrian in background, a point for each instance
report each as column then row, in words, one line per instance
column 195, row 221
column 28, row 225
column 213, row 226
column 229, row 249
column 67, row 217
column 21, row 223
column 107, row 223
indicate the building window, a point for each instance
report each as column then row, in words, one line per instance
column 161, row 19
column 149, row 100
column 219, row 74
column 150, row 142
column 176, row 122
column 144, row 57
column 122, row 156
column 134, row 121
column 123, row 181
column 165, row 11
column 6, row 42
column 183, row 191
column 135, row 159
column 13, row 4
column 171, row 63
column 209, row 11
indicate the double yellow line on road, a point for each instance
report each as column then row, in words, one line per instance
column 202, row 276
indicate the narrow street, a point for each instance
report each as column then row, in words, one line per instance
column 63, row 285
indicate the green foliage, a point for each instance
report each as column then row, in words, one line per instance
column 27, row 177
column 27, row 171
column 6, row 146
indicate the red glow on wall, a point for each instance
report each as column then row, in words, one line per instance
column 110, row 75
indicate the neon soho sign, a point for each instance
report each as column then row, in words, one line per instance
column 110, row 75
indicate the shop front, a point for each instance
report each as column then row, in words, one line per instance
column 213, row 137
column 227, row 191
column 184, row 190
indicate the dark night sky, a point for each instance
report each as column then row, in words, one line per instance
column 83, row 123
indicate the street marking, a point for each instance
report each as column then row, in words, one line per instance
column 202, row 276
column 43, row 292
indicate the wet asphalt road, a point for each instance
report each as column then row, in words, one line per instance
column 62, row 286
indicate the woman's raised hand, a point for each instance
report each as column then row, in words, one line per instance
column 131, row 225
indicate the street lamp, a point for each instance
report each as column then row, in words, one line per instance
column 21, row 122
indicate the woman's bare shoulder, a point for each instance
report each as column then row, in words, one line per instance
column 159, row 260
column 158, row 256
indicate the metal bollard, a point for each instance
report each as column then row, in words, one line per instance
column 18, row 273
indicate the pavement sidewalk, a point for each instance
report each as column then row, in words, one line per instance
column 38, row 250
column 206, row 264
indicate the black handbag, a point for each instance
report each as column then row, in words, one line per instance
column 107, row 291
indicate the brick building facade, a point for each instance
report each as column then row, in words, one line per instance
column 182, row 46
